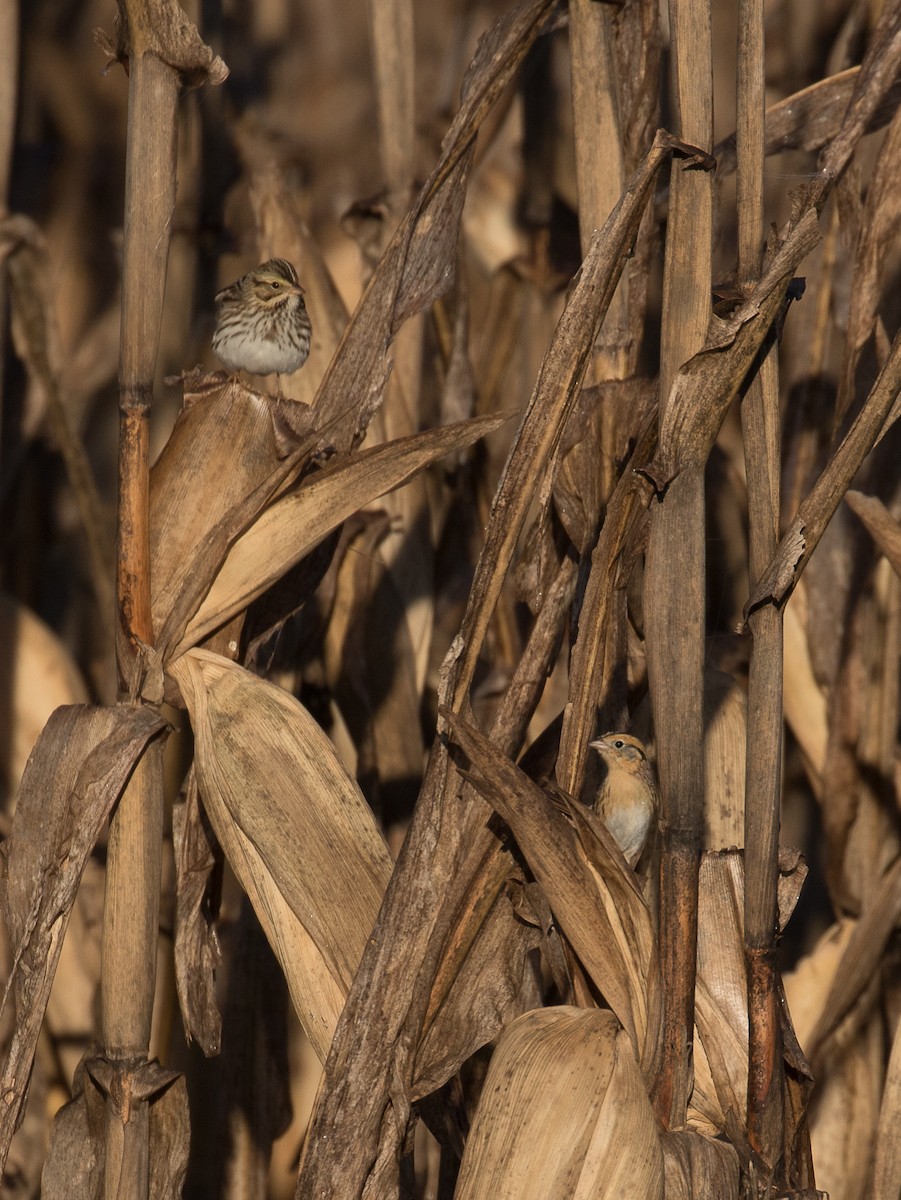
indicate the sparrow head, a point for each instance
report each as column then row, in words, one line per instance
column 621, row 750
column 273, row 282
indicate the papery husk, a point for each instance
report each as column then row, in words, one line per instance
column 294, row 827
column 563, row 1113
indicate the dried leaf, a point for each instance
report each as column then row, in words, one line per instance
column 291, row 527
column 862, row 953
column 223, row 461
column 376, row 687
column 725, row 738
column 803, row 534
column 487, row 993
column 75, row 1160
column 878, row 228
column 552, row 399
column 841, row 1133
column 619, row 540
column 886, row 1180
column 696, row 1166
column 197, row 953
column 810, row 118
column 72, row 780
column 418, row 265
column 563, row 1112
column 878, row 72
column 294, row 827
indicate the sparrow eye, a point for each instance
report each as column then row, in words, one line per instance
column 619, row 743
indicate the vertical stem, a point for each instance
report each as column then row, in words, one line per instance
column 674, row 585
column 760, row 419
column 131, row 914
column 601, row 178
column 600, row 170
column 391, row 27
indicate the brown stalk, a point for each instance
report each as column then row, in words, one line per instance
column 674, row 583
column 391, row 31
column 131, row 910
column 760, row 423
column 600, row 170
column 161, row 49
column 409, row 561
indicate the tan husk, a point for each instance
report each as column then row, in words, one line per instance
column 563, row 1112
column 293, row 825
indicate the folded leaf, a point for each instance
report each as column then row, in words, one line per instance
column 563, row 1113
column 294, row 826
column 288, row 530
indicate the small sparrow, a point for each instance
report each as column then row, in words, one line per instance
column 262, row 324
column 627, row 798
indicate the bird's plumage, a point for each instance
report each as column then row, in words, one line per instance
column 627, row 798
column 262, row 323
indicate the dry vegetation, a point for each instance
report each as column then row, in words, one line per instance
column 596, row 432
